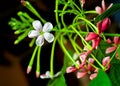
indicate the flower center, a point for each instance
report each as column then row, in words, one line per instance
column 41, row 33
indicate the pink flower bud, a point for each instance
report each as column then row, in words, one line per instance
column 105, row 61
column 92, row 76
column 37, row 74
column 29, row 69
column 98, row 9
column 82, row 2
column 105, row 24
column 91, row 36
column 90, row 61
column 95, row 43
column 110, row 49
column 116, row 40
column 109, row 41
column 70, row 69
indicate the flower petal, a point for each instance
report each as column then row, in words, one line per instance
column 83, row 56
column 103, row 5
column 81, row 74
column 92, row 76
column 99, row 26
column 99, row 10
column 49, row 37
column 46, row 75
column 95, row 43
column 116, row 40
column 110, row 50
column 91, row 36
column 105, row 24
column 105, row 60
column 37, row 25
column 70, row 69
column 47, row 27
column 110, row 6
column 33, row 33
column 109, row 41
column 40, row 41
column 90, row 61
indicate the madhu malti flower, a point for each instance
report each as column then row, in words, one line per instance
column 41, row 32
column 105, row 63
column 96, row 37
column 100, row 10
column 83, row 56
column 101, row 25
column 82, row 70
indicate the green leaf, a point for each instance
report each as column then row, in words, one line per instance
column 118, row 51
column 101, row 80
column 108, row 12
column 114, row 74
column 100, row 51
column 58, row 81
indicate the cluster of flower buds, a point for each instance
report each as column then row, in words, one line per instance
column 87, row 66
column 116, row 42
column 101, row 25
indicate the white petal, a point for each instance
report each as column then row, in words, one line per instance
column 49, row 37
column 37, row 25
column 47, row 27
column 46, row 75
column 40, row 41
column 33, row 33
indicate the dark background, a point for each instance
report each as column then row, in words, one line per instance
column 14, row 58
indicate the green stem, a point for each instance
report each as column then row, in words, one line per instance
column 114, row 53
column 32, row 9
column 38, row 60
column 33, row 56
column 98, row 62
column 92, row 64
column 111, row 34
column 91, row 11
column 89, row 47
column 66, row 52
column 74, row 45
column 32, row 42
column 95, row 29
column 62, row 16
column 104, row 37
column 77, row 6
column 56, row 13
column 52, row 54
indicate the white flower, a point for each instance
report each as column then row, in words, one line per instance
column 48, row 75
column 41, row 32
